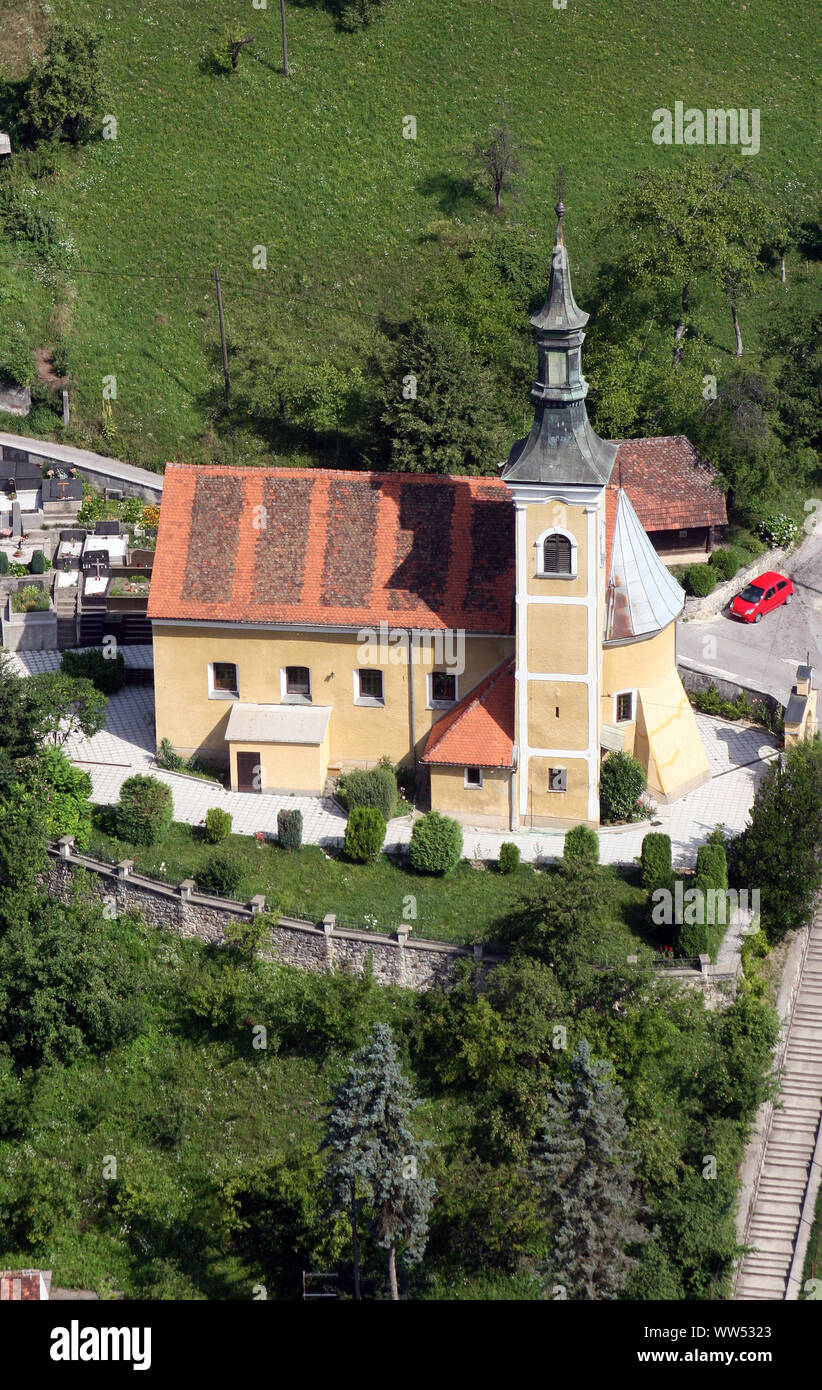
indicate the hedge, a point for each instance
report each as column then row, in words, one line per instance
column 376, row 787
column 107, row 673
column 509, row 857
column 700, row 580
column 622, row 781
column 290, row 829
column 655, row 861
column 217, row 824
column 145, row 810
column 436, row 844
column 364, row 834
column 726, row 562
column 221, row 873
column 581, row 845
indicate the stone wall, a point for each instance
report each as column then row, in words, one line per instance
column 396, row 960
column 694, row 680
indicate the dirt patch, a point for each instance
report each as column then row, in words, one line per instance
column 46, row 374
column 21, row 35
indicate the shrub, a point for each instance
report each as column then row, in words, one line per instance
column 150, row 515
column 106, row 673
column 145, row 810
column 622, row 781
column 364, row 834
column 700, row 580
column 4, row 562
column 712, row 865
column 290, row 829
column 436, row 844
column 18, row 570
column 726, row 562
column 217, row 825
column 777, row 529
column 168, row 758
column 509, row 858
column 692, row 937
column 377, row 787
column 655, row 861
column 30, row 599
column 581, row 845
column 221, row 873
column 37, row 563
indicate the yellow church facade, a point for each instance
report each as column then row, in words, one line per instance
column 500, row 635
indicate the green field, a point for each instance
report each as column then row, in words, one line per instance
column 465, row 906
column 206, row 167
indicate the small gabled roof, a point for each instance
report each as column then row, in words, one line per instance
column 479, row 730
column 670, row 485
column 642, row 596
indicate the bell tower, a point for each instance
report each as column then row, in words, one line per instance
column 558, row 477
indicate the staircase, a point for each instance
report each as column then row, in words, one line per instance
column 790, row 1143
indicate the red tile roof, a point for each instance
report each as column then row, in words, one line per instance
column 322, row 548
column 669, row 485
column 23, row 1285
column 327, row 548
column 479, row 730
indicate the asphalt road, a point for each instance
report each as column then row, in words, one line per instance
column 764, row 655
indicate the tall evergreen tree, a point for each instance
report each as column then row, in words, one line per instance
column 587, row 1182
column 779, row 851
column 374, row 1157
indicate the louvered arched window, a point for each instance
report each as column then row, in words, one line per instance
column 556, row 554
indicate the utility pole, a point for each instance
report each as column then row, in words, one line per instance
column 222, row 337
column 285, row 41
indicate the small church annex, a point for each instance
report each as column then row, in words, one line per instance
column 503, row 635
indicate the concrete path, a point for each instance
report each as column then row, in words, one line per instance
column 737, row 756
column 763, row 656
column 787, row 1185
column 96, row 468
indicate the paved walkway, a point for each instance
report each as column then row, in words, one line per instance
column 787, row 1183
column 97, row 466
column 737, row 757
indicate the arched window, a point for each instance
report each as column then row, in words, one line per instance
column 556, row 554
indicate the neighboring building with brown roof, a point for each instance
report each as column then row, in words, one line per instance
column 503, row 634
column 675, row 494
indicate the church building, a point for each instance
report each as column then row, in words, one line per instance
column 502, row 635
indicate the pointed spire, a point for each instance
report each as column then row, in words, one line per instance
column 562, row 445
column 560, row 310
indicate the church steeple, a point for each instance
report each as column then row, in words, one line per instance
column 562, row 446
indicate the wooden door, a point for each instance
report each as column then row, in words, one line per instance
column 248, row 772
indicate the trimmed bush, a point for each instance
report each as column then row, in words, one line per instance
column 217, row 824
column 364, row 834
column 221, row 873
column 692, row 938
column 581, row 845
column 145, row 810
column 509, row 857
column 290, row 829
column 107, row 673
column 436, row 844
column 712, row 865
column 37, row 563
column 4, row 562
column 700, row 580
column 655, row 862
column 622, row 781
column 377, row 787
column 726, row 562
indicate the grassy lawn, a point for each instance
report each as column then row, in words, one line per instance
column 207, row 167
column 464, row 907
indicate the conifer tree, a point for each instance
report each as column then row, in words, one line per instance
column 587, row 1182
column 374, row 1157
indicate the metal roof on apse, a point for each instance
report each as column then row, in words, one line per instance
column 643, row 597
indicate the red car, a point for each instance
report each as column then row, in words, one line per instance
column 768, row 591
